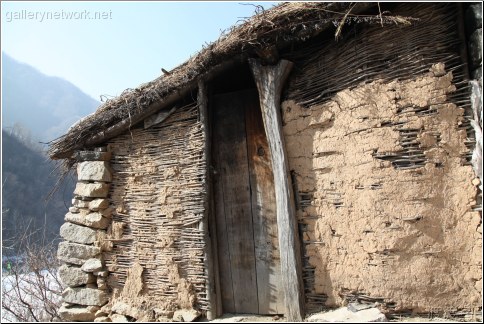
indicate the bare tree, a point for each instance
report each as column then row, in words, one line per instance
column 31, row 288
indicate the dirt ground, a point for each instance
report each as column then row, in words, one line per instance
column 235, row 318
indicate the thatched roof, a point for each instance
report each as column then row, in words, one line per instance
column 277, row 27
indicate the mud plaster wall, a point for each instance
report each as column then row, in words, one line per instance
column 377, row 227
column 157, row 199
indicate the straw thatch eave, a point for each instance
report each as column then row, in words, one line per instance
column 276, row 28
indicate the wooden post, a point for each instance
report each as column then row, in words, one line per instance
column 209, row 263
column 270, row 80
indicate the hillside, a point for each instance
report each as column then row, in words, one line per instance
column 35, row 108
column 27, row 180
column 44, row 105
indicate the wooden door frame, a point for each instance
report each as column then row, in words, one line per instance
column 208, row 224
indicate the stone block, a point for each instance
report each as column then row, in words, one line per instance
column 92, row 156
column 356, row 307
column 92, row 265
column 73, row 209
column 94, row 190
column 102, row 319
column 185, row 315
column 74, row 276
column 98, row 204
column 117, row 318
column 76, row 314
column 94, row 171
column 94, row 220
column 475, row 48
column 78, row 234
column 76, row 253
column 80, row 203
column 85, row 296
column 125, row 309
column 343, row 314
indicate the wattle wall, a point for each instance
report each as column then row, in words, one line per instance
column 378, row 134
column 409, row 236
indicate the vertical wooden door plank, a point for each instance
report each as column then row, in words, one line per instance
column 232, row 166
column 270, row 294
column 225, row 274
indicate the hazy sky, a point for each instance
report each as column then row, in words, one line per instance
column 106, row 47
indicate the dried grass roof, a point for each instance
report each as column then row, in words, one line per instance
column 279, row 26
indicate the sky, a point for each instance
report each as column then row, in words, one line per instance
column 106, row 47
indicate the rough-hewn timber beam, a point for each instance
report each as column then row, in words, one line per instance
column 270, row 80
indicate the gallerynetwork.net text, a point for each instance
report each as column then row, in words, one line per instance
column 41, row 16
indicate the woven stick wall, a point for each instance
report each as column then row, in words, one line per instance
column 383, row 53
column 387, row 53
column 157, row 193
column 368, row 53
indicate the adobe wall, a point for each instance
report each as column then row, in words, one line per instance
column 386, row 197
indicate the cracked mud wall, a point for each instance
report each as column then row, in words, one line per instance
column 385, row 195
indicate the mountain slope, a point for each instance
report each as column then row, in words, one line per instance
column 27, row 180
column 45, row 105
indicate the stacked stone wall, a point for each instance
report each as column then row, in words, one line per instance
column 84, row 232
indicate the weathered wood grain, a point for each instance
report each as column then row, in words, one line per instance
column 263, row 199
column 208, row 259
column 234, row 215
column 269, row 80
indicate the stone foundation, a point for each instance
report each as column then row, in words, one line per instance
column 84, row 232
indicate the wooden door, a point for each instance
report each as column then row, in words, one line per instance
column 245, row 207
